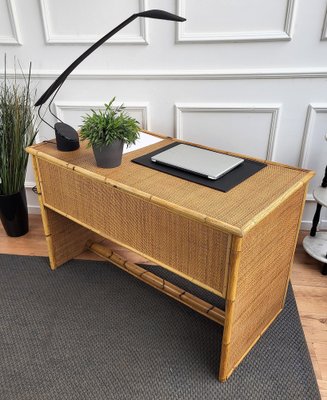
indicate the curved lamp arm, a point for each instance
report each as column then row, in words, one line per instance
column 157, row 14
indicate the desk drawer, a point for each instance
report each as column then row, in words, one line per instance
column 188, row 247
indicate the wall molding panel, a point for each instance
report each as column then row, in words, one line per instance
column 313, row 110
column 273, row 109
column 15, row 38
column 143, row 107
column 309, row 128
column 56, row 38
column 59, row 108
column 251, row 36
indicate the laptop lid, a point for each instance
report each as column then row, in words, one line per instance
column 198, row 161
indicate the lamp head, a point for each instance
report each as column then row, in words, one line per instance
column 160, row 14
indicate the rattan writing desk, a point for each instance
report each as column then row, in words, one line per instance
column 238, row 245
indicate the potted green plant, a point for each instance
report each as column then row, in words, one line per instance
column 17, row 131
column 107, row 131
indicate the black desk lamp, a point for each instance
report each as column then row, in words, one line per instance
column 66, row 136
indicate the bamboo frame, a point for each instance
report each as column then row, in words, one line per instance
column 275, row 301
column 238, row 247
column 277, row 203
column 227, row 373
column 191, row 301
column 305, row 185
column 235, row 258
column 43, row 213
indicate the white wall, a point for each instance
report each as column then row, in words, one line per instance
column 242, row 75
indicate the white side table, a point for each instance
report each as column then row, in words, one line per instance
column 315, row 244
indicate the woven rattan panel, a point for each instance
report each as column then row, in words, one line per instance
column 186, row 246
column 266, row 258
column 237, row 207
column 65, row 244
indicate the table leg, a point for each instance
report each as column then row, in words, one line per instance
column 324, row 269
column 315, row 220
column 316, row 217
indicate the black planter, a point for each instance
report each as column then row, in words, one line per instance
column 109, row 156
column 13, row 213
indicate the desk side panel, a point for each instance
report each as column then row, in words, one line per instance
column 65, row 239
column 187, row 247
column 265, row 259
column 68, row 239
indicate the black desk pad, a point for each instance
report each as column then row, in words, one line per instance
column 224, row 184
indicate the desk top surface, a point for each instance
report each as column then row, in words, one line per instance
column 236, row 211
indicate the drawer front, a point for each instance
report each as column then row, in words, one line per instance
column 188, row 247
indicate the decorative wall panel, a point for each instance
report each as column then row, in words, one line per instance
column 9, row 29
column 91, row 20
column 246, row 129
column 236, row 21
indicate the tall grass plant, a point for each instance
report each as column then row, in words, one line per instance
column 17, row 129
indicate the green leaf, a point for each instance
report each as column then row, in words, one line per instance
column 105, row 126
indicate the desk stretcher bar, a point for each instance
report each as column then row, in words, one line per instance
column 191, row 301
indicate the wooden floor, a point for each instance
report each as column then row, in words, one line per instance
column 309, row 285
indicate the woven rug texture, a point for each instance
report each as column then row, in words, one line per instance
column 90, row 331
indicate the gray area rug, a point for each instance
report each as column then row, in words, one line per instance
column 90, row 331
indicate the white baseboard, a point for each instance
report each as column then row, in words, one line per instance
column 34, row 210
column 306, row 225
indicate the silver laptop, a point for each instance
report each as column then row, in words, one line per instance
column 198, row 161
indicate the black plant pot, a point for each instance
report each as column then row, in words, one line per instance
column 13, row 213
column 109, row 156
